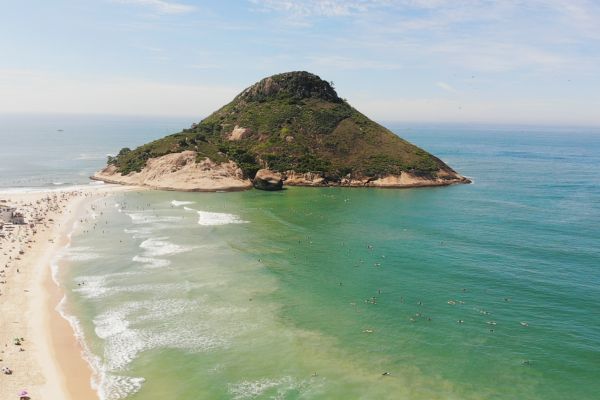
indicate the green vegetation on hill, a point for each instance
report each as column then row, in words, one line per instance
column 293, row 121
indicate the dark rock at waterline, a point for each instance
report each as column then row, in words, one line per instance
column 266, row 179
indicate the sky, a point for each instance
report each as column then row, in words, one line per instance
column 468, row 61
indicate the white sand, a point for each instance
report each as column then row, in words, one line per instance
column 48, row 363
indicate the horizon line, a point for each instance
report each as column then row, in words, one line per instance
column 384, row 122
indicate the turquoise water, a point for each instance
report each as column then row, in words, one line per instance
column 483, row 291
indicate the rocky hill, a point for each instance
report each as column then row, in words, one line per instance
column 295, row 128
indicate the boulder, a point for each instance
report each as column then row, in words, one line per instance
column 266, row 179
column 238, row 133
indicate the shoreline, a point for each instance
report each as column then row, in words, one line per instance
column 50, row 361
column 416, row 185
column 170, row 189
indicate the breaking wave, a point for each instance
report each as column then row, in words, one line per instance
column 206, row 218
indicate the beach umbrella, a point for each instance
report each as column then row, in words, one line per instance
column 23, row 393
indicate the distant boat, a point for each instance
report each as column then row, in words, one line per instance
column 59, row 130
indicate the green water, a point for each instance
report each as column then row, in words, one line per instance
column 315, row 293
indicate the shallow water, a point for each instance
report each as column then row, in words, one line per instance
column 483, row 291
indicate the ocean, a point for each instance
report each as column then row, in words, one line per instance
column 482, row 291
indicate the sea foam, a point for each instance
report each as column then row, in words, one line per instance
column 81, row 253
column 151, row 262
column 160, row 246
column 141, row 232
column 147, row 218
column 278, row 388
column 206, row 218
column 178, row 203
column 108, row 386
column 137, row 326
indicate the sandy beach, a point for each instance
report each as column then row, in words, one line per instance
column 39, row 351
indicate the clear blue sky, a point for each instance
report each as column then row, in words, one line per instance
column 508, row 61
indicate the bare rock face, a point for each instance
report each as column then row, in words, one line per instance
column 406, row 179
column 298, row 84
column 181, row 171
column 238, row 133
column 268, row 180
column 402, row 180
column 304, row 179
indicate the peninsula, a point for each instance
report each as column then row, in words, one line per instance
column 287, row 129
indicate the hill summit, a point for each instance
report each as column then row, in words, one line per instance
column 288, row 128
column 291, row 85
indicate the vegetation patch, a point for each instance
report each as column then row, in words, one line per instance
column 297, row 122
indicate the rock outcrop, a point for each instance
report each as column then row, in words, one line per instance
column 293, row 178
column 403, row 180
column 238, row 133
column 268, row 180
column 181, row 171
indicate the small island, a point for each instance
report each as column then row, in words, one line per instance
column 288, row 129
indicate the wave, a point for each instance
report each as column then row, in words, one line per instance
column 102, row 286
column 161, row 247
column 206, row 218
column 178, row 203
column 60, row 254
column 152, row 262
column 136, row 326
column 147, row 218
column 93, row 286
column 108, row 386
column 82, row 253
column 49, row 187
column 54, row 267
column 138, row 233
column 116, row 387
column 125, row 336
column 279, row 388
